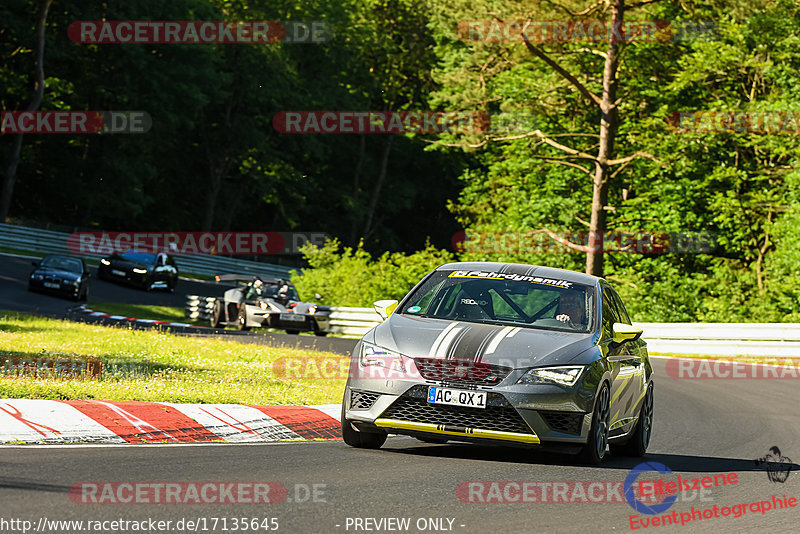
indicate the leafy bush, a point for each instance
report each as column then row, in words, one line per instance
column 353, row 278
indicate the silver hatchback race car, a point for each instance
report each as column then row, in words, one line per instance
column 504, row 354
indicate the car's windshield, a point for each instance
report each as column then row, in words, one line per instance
column 63, row 263
column 147, row 259
column 507, row 299
column 274, row 291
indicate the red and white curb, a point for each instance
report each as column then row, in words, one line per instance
column 91, row 313
column 90, row 421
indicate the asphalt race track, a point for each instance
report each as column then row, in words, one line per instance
column 14, row 296
column 702, row 427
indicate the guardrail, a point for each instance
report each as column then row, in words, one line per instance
column 50, row 242
column 349, row 322
column 721, row 339
column 724, row 339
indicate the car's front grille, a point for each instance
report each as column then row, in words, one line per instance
column 568, row 422
column 498, row 415
column 362, row 400
column 461, row 373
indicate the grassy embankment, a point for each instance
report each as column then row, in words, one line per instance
column 149, row 365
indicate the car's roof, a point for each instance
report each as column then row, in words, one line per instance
column 523, row 270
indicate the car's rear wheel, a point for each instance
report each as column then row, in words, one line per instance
column 640, row 439
column 241, row 318
column 596, row 447
column 361, row 440
column 215, row 319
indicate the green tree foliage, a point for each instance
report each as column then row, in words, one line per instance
column 213, row 159
column 737, row 187
column 352, row 277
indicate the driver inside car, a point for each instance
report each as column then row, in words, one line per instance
column 572, row 309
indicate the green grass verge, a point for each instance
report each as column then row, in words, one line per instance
column 157, row 313
column 149, row 365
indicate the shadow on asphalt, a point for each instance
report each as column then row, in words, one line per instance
column 676, row 462
column 31, row 485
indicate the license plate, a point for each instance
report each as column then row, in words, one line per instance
column 293, row 317
column 117, row 273
column 52, row 285
column 457, row 397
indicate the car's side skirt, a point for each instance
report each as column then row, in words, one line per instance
column 452, row 430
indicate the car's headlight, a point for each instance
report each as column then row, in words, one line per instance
column 565, row 376
column 105, row 262
column 312, row 310
column 140, row 271
column 76, row 283
column 375, row 355
column 263, row 305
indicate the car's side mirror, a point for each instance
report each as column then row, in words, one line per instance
column 385, row 308
column 625, row 332
column 317, row 296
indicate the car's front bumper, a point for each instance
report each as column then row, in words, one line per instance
column 64, row 288
column 125, row 275
column 271, row 319
column 515, row 413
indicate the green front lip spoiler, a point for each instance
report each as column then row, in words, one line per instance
column 452, row 430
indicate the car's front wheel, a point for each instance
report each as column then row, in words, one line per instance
column 361, row 440
column 319, row 333
column 215, row 319
column 640, row 439
column 596, row 447
column 241, row 319
column 83, row 294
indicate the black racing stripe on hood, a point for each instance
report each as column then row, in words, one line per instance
column 522, row 270
column 473, row 341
